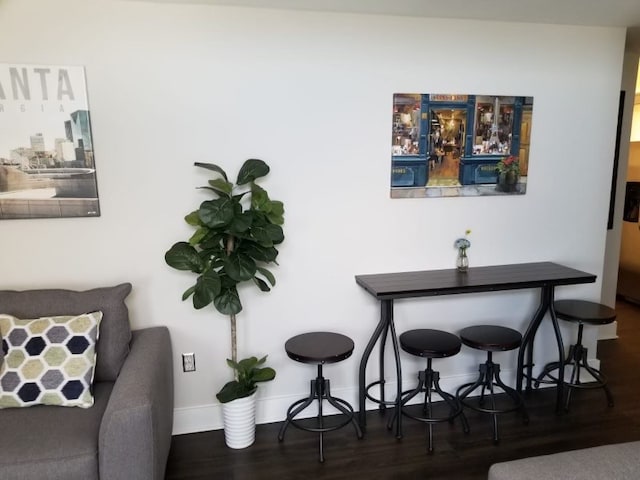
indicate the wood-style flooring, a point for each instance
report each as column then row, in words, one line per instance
column 457, row 456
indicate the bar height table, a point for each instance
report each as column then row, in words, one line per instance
column 388, row 287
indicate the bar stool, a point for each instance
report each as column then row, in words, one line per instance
column 491, row 338
column 319, row 348
column 429, row 344
column 583, row 313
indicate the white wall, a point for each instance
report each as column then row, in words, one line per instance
column 311, row 94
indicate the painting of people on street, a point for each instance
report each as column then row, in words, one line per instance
column 449, row 145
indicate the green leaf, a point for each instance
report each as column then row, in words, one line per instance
column 276, row 234
column 276, row 212
column 198, row 235
column 239, row 196
column 262, row 285
column 228, row 301
column 217, row 213
column 212, row 244
column 241, row 223
column 211, row 166
column 234, row 365
column 239, row 267
column 206, row 288
column 263, row 374
column 260, row 198
column 258, row 252
column 232, row 391
column 227, row 281
column 250, row 170
column 247, row 364
column 183, row 256
column 188, row 292
column 193, row 219
column 221, row 186
column 268, row 275
column 267, row 235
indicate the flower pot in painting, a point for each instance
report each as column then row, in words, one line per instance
column 507, row 181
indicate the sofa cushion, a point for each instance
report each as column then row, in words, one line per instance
column 115, row 332
column 53, row 443
column 618, row 461
column 49, row 360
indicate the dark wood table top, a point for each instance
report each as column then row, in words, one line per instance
column 428, row 283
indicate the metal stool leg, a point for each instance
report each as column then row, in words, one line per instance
column 292, row 411
column 320, row 391
column 488, row 379
column 428, row 383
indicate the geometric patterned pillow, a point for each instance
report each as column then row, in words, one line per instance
column 48, row 360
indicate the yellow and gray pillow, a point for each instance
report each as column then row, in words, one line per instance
column 48, row 360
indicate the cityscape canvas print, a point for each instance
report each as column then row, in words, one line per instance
column 47, row 164
column 446, row 145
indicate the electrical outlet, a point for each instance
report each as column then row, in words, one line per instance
column 188, row 362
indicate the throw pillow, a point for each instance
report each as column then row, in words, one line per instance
column 48, row 360
column 115, row 332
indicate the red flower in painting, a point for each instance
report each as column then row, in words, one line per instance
column 509, row 164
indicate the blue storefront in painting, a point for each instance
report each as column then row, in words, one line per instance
column 446, row 141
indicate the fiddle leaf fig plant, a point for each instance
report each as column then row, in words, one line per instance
column 235, row 238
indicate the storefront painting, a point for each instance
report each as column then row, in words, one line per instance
column 459, row 145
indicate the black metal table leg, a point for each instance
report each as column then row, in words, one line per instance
column 556, row 329
column 527, row 341
column 386, row 315
column 396, row 353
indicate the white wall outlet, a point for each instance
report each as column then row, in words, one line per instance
column 188, row 362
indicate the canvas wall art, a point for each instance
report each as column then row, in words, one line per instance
column 47, row 164
column 446, row 145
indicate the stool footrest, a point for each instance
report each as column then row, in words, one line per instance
column 320, row 392
column 383, row 403
column 488, row 379
column 428, row 384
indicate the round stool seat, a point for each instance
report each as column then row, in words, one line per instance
column 430, row 343
column 492, row 338
column 319, row 347
column 582, row 311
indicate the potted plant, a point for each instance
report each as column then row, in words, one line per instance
column 236, row 236
column 508, row 173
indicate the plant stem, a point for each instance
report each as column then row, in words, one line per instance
column 234, row 343
column 234, row 337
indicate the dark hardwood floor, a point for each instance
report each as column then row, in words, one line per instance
column 457, row 456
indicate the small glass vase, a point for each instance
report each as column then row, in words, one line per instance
column 462, row 262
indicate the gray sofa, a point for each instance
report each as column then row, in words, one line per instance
column 609, row 462
column 126, row 434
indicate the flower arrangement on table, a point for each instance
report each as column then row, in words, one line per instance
column 462, row 243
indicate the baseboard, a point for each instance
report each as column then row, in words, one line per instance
column 273, row 409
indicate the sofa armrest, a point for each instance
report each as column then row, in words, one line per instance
column 135, row 433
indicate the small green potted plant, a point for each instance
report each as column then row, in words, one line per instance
column 235, row 238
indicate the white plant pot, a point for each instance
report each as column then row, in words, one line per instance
column 239, row 418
